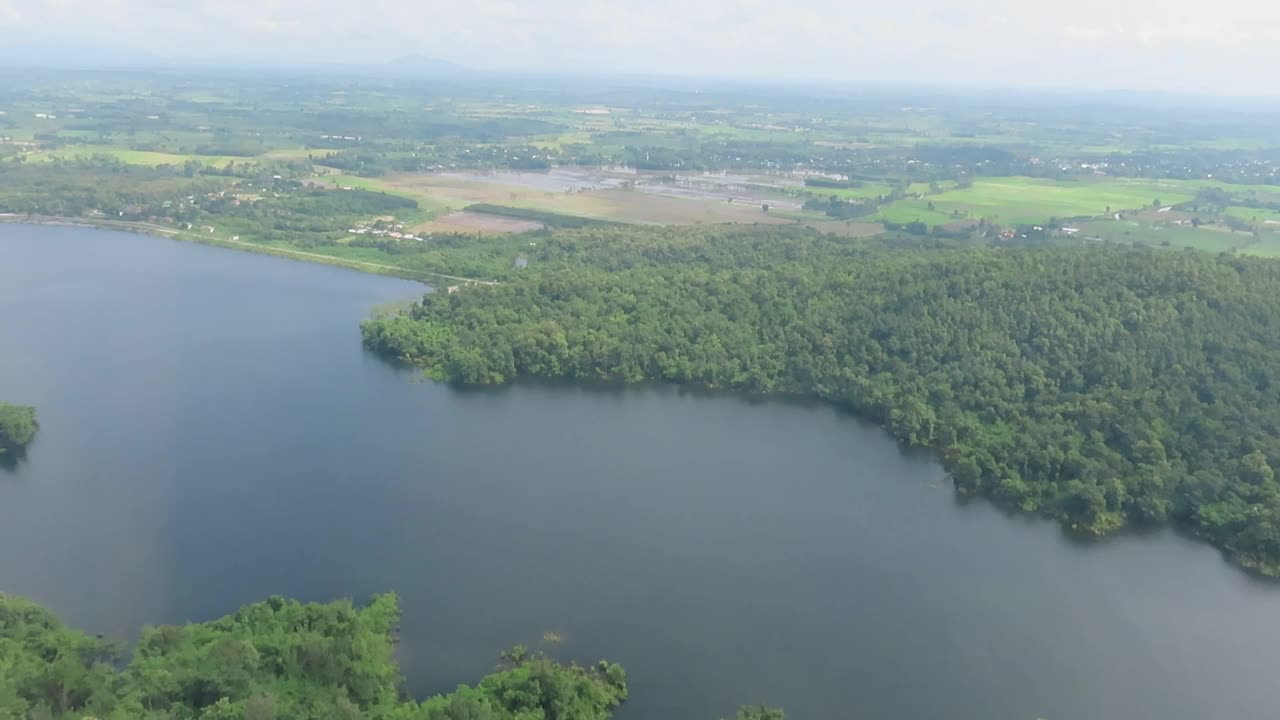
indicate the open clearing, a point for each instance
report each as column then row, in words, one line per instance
column 862, row 192
column 479, row 223
column 619, row 196
column 131, row 157
column 1266, row 219
column 1267, row 245
column 1033, row 200
column 1208, row 238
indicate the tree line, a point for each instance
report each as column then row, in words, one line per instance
column 278, row 659
column 1103, row 386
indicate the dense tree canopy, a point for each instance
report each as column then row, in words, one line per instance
column 1100, row 385
column 278, row 659
column 17, row 426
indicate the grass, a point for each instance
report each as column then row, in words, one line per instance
column 542, row 216
column 130, row 157
column 868, row 190
column 1255, row 214
column 1208, row 239
column 905, row 211
column 455, row 191
column 1023, row 200
column 1266, row 246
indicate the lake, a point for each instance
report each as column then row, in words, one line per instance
column 213, row 433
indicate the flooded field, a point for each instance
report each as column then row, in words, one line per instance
column 617, row 194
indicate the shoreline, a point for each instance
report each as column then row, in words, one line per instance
column 427, row 277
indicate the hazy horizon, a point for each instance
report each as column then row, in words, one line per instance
column 1175, row 45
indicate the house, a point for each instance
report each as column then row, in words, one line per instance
column 453, row 289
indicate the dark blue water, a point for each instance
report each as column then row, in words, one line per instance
column 213, row 433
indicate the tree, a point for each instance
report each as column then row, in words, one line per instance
column 759, row 712
column 18, row 426
column 1154, row 410
column 247, row 666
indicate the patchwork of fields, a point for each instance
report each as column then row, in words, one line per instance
column 627, row 196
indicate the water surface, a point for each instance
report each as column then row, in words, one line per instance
column 213, row 433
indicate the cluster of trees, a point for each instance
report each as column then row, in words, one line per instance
column 302, row 215
column 826, row 182
column 840, row 209
column 249, row 201
column 1103, row 386
column 277, row 659
column 18, row 426
column 92, row 185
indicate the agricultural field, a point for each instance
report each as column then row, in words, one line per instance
column 865, row 191
column 633, row 198
column 1260, row 216
column 478, row 223
column 494, row 158
column 1213, row 239
column 1024, row 200
column 1267, row 245
column 132, row 157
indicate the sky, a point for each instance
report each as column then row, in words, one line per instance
column 1229, row 46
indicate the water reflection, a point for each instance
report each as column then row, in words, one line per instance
column 213, row 433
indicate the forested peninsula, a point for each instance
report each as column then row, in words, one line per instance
column 1105, row 386
column 274, row 659
column 18, row 426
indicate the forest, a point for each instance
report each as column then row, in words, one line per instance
column 277, row 659
column 1105, row 386
column 18, row 426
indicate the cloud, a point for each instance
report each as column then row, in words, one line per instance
column 1156, row 43
column 9, row 14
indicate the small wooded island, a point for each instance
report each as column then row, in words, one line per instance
column 18, row 426
column 1104, row 386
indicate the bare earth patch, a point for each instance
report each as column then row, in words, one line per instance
column 480, row 223
column 628, row 197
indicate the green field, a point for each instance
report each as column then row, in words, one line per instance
column 1033, row 200
column 1268, row 245
column 867, row 190
column 1209, row 239
column 1258, row 215
column 132, row 157
column 911, row 210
